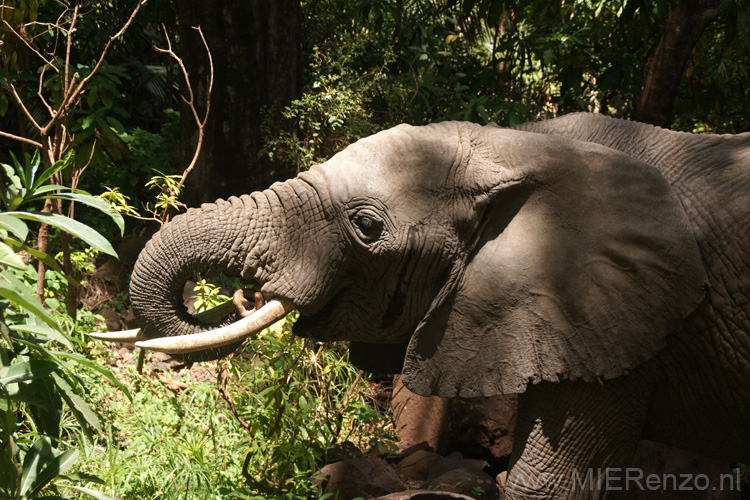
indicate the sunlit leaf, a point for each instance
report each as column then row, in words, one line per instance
column 17, row 292
column 46, row 331
column 27, row 370
column 72, row 226
column 14, row 226
column 94, row 366
column 41, row 453
column 91, row 201
column 9, row 258
column 54, row 468
column 92, row 493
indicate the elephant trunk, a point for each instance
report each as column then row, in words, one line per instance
column 215, row 237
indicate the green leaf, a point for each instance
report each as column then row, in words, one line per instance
column 9, row 258
column 13, row 194
column 82, row 476
column 94, row 366
column 32, row 167
column 91, row 201
column 80, row 408
column 14, row 226
column 92, row 493
column 116, row 125
column 72, row 226
column 59, row 165
column 27, row 370
column 86, row 123
column 54, row 468
column 20, row 171
column 17, row 292
column 51, row 263
column 41, row 453
column 45, row 331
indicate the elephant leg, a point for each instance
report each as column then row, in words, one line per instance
column 576, row 440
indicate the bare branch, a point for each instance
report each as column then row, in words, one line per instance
column 39, row 90
column 18, row 138
column 28, row 45
column 16, row 98
column 66, row 79
column 81, row 86
column 190, row 100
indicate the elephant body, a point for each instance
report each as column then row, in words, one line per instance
column 597, row 267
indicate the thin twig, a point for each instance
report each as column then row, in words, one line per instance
column 190, row 99
column 18, row 138
column 71, row 96
column 71, row 29
column 222, row 377
column 28, row 45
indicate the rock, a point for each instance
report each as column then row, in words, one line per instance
column 111, row 319
column 342, row 451
column 452, row 462
column 417, row 418
column 424, row 495
column 476, row 427
column 366, row 477
column 466, row 481
column 414, row 469
column 483, row 428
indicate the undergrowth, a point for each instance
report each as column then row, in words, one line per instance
column 273, row 409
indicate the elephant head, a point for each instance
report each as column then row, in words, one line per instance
column 478, row 259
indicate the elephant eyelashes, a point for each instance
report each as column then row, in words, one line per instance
column 368, row 227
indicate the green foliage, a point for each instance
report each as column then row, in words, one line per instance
column 282, row 402
column 372, row 64
column 26, row 185
column 38, row 385
column 298, row 399
column 208, row 296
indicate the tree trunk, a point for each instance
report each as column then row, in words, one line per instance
column 685, row 26
column 255, row 45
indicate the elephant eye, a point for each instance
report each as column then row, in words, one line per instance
column 368, row 228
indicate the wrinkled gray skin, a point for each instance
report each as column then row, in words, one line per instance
column 599, row 267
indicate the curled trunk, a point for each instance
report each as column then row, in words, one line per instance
column 213, row 238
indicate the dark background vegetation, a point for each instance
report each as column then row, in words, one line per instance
column 296, row 81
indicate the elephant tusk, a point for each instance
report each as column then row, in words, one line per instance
column 264, row 317
column 131, row 336
column 123, row 336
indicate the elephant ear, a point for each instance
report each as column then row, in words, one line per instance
column 582, row 261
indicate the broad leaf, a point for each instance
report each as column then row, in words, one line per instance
column 72, row 226
column 27, row 370
column 9, row 258
column 41, row 452
column 17, row 246
column 54, row 468
column 92, row 493
column 80, row 408
column 89, row 200
column 46, row 331
column 94, row 366
column 17, row 292
column 57, row 167
column 15, row 226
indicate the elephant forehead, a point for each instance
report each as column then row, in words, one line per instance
column 392, row 162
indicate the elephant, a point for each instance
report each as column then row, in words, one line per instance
column 597, row 267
